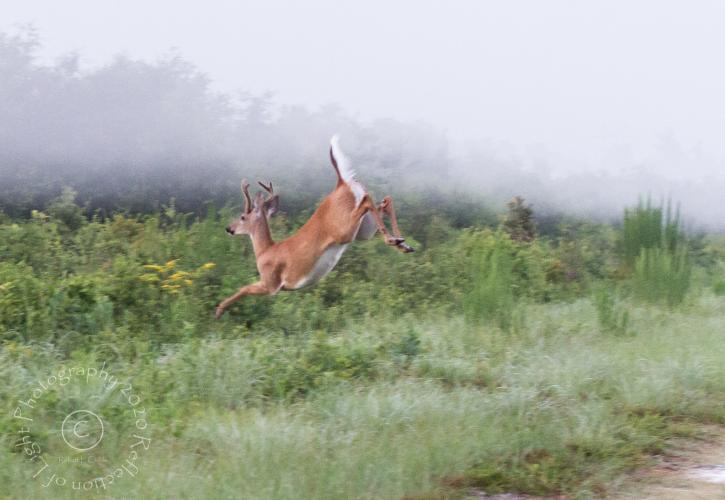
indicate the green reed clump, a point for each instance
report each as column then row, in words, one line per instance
column 662, row 276
column 654, row 251
column 646, row 226
column 491, row 297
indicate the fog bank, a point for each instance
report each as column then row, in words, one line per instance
column 131, row 134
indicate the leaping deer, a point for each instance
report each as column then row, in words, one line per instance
column 348, row 213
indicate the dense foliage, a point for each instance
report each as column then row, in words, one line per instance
column 156, row 278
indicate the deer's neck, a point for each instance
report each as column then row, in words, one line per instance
column 261, row 239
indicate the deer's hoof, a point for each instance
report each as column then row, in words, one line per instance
column 405, row 248
column 218, row 313
column 394, row 242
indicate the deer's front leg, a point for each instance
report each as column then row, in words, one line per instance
column 258, row 288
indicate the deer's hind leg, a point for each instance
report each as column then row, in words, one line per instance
column 386, row 208
column 368, row 209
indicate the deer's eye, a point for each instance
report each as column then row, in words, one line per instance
column 241, row 217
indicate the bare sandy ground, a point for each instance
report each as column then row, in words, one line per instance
column 692, row 470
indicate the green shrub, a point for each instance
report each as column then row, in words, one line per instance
column 519, row 221
column 23, row 299
column 64, row 210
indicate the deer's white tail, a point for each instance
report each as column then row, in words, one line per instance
column 345, row 173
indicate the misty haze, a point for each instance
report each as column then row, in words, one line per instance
column 595, row 112
column 324, row 249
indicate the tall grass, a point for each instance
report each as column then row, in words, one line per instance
column 557, row 407
column 613, row 316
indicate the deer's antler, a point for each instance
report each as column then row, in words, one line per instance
column 267, row 188
column 247, row 198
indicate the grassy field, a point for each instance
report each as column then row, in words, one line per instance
column 558, row 406
column 480, row 363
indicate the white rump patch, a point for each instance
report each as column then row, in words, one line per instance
column 343, row 162
column 358, row 191
column 346, row 171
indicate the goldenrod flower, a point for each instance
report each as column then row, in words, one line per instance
column 171, row 288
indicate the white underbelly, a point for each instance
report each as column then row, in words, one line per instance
column 367, row 227
column 326, row 263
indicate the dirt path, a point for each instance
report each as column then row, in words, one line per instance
column 693, row 470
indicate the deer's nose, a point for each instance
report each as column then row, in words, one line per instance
column 228, row 229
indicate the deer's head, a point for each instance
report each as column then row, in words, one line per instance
column 256, row 211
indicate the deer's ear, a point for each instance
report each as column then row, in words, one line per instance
column 258, row 202
column 271, row 206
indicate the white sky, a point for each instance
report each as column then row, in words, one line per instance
column 578, row 83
